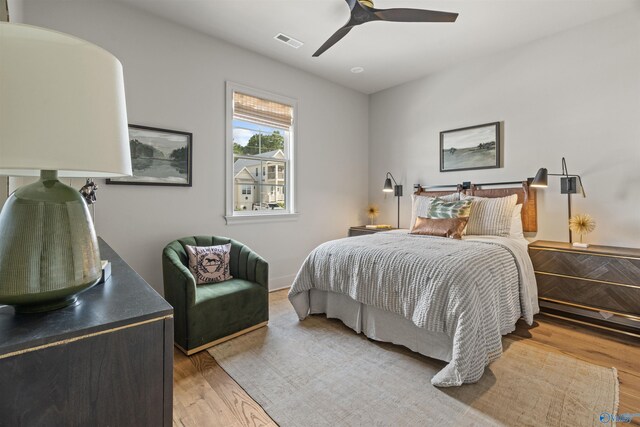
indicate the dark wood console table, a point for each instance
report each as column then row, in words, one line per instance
column 107, row 360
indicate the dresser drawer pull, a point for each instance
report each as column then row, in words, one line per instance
column 586, row 307
column 595, row 325
column 582, row 253
column 588, row 280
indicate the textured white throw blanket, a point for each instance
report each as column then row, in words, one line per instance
column 474, row 290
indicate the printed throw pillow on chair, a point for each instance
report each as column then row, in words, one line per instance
column 209, row 264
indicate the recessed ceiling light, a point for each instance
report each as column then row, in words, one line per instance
column 357, row 70
column 288, row 40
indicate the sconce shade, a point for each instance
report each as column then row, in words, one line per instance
column 541, row 178
column 388, row 186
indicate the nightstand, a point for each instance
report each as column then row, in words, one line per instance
column 361, row 230
column 599, row 285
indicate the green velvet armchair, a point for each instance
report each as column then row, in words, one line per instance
column 208, row 314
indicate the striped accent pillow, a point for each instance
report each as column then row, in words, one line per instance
column 420, row 205
column 442, row 209
column 490, row 216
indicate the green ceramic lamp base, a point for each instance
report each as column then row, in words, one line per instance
column 50, row 306
column 45, row 301
column 48, row 246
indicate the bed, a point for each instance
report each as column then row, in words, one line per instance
column 447, row 299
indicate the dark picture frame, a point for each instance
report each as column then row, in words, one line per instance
column 160, row 157
column 470, row 148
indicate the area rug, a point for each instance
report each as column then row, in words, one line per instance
column 318, row 372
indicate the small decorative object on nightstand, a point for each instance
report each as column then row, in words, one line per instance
column 361, row 230
column 372, row 213
column 582, row 224
column 599, row 285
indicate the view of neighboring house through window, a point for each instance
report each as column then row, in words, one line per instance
column 261, row 130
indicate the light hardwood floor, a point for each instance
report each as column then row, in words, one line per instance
column 204, row 395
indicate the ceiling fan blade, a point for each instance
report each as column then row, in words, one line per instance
column 335, row 38
column 414, row 15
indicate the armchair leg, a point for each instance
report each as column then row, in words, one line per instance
column 220, row 340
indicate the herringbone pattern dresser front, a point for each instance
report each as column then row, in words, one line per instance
column 601, row 282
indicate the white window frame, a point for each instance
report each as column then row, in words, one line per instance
column 249, row 216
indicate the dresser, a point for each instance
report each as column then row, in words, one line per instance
column 105, row 361
column 361, row 230
column 599, row 285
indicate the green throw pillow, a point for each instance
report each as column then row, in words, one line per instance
column 443, row 209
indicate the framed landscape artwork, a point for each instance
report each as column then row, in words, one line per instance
column 158, row 157
column 473, row 147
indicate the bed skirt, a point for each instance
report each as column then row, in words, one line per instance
column 375, row 323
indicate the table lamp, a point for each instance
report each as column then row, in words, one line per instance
column 62, row 114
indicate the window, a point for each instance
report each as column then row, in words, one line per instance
column 260, row 146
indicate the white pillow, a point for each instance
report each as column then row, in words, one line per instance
column 420, row 205
column 491, row 216
column 516, row 223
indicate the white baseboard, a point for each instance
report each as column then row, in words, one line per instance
column 279, row 289
column 279, row 283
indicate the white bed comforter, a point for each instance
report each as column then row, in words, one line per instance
column 474, row 290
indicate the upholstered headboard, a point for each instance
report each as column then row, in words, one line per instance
column 526, row 196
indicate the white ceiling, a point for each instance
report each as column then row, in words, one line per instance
column 391, row 53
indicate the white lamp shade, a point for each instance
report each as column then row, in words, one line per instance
column 62, row 106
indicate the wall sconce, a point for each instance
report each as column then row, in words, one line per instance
column 568, row 185
column 397, row 190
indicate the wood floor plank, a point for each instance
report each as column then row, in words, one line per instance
column 205, row 395
column 195, row 403
column 244, row 408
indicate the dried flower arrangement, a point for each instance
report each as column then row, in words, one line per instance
column 372, row 213
column 582, row 224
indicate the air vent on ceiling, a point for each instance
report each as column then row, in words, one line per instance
column 288, row 40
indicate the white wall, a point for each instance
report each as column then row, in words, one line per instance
column 175, row 79
column 575, row 94
column 16, row 10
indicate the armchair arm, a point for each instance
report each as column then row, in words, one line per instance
column 179, row 291
column 179, row 283
column 262, row 272
column 252, row 267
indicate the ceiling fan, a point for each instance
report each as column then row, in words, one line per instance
column 362, row 11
